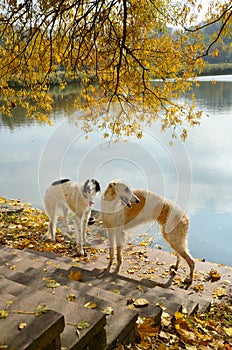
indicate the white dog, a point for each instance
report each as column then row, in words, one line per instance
column 123, row 209
column 64, row 195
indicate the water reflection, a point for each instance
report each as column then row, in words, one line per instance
column 214, row 97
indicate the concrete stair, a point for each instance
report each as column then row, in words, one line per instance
column 24, row 276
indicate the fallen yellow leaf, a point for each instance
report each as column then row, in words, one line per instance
column 21, row 326
column 147, row 329
column 116, row 291
column 75, row 275
column 219, row 292
column 165, row 319
column 108, row 310
column 3, row 314
column 71, row 297
column 141, row 302
column 214, row 275
column 228, row 331
column 91, row 305
column 178, row 315
column 141, row 288
column 198, row 287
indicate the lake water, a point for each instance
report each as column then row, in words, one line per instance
column 197, row 174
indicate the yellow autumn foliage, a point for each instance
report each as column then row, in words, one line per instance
column 133, row 59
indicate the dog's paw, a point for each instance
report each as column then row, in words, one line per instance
column 116, row 270
column 46, row 238
column 173, row 269
column 80, row 252
column 188, row 281
column 102, row 273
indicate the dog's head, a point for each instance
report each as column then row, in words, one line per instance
column 119, row 190
column 90, row 189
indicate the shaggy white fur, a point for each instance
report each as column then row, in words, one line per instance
column 68, row 195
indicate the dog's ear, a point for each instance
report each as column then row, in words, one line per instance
column 97, row 185
column 85, row 189
column 110, row 193
column 111, row 187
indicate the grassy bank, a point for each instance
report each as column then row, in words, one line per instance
column 61, row 78
column 217, row 69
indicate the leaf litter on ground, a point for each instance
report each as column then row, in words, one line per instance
column 210, row 330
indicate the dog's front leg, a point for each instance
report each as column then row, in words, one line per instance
column 111, row 258
column 85, row 220
column 78, row 231
column 111, row 237
column 120, row 238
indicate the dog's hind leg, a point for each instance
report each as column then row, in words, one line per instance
column 177, row 239
column 111, row 254
column 64, row 209
column 175, row 267
column 51, row 213
column 187, row 257
column 119, row 259
column 52, row 227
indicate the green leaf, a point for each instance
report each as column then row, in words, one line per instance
column 83, row 324
column 53, row 284
column 21, row 325
column 91, row 305
column 40, row 309
column 108, row 310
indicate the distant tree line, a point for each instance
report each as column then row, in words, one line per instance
column 223, row 46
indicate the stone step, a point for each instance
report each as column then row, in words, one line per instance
column 122, row 284
column 11, row 287
column 39, row 332
column 111, row 282
column 125, row 330
column 24, row 259
column 106, row 290
column 170, row 299
column 28, row 271
column 73, row 313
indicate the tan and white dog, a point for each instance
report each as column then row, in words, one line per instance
column 123, row 209
column 67, row 195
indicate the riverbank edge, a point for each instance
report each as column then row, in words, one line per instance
column 60, row 77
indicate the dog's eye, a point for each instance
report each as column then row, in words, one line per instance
column 127, row 189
